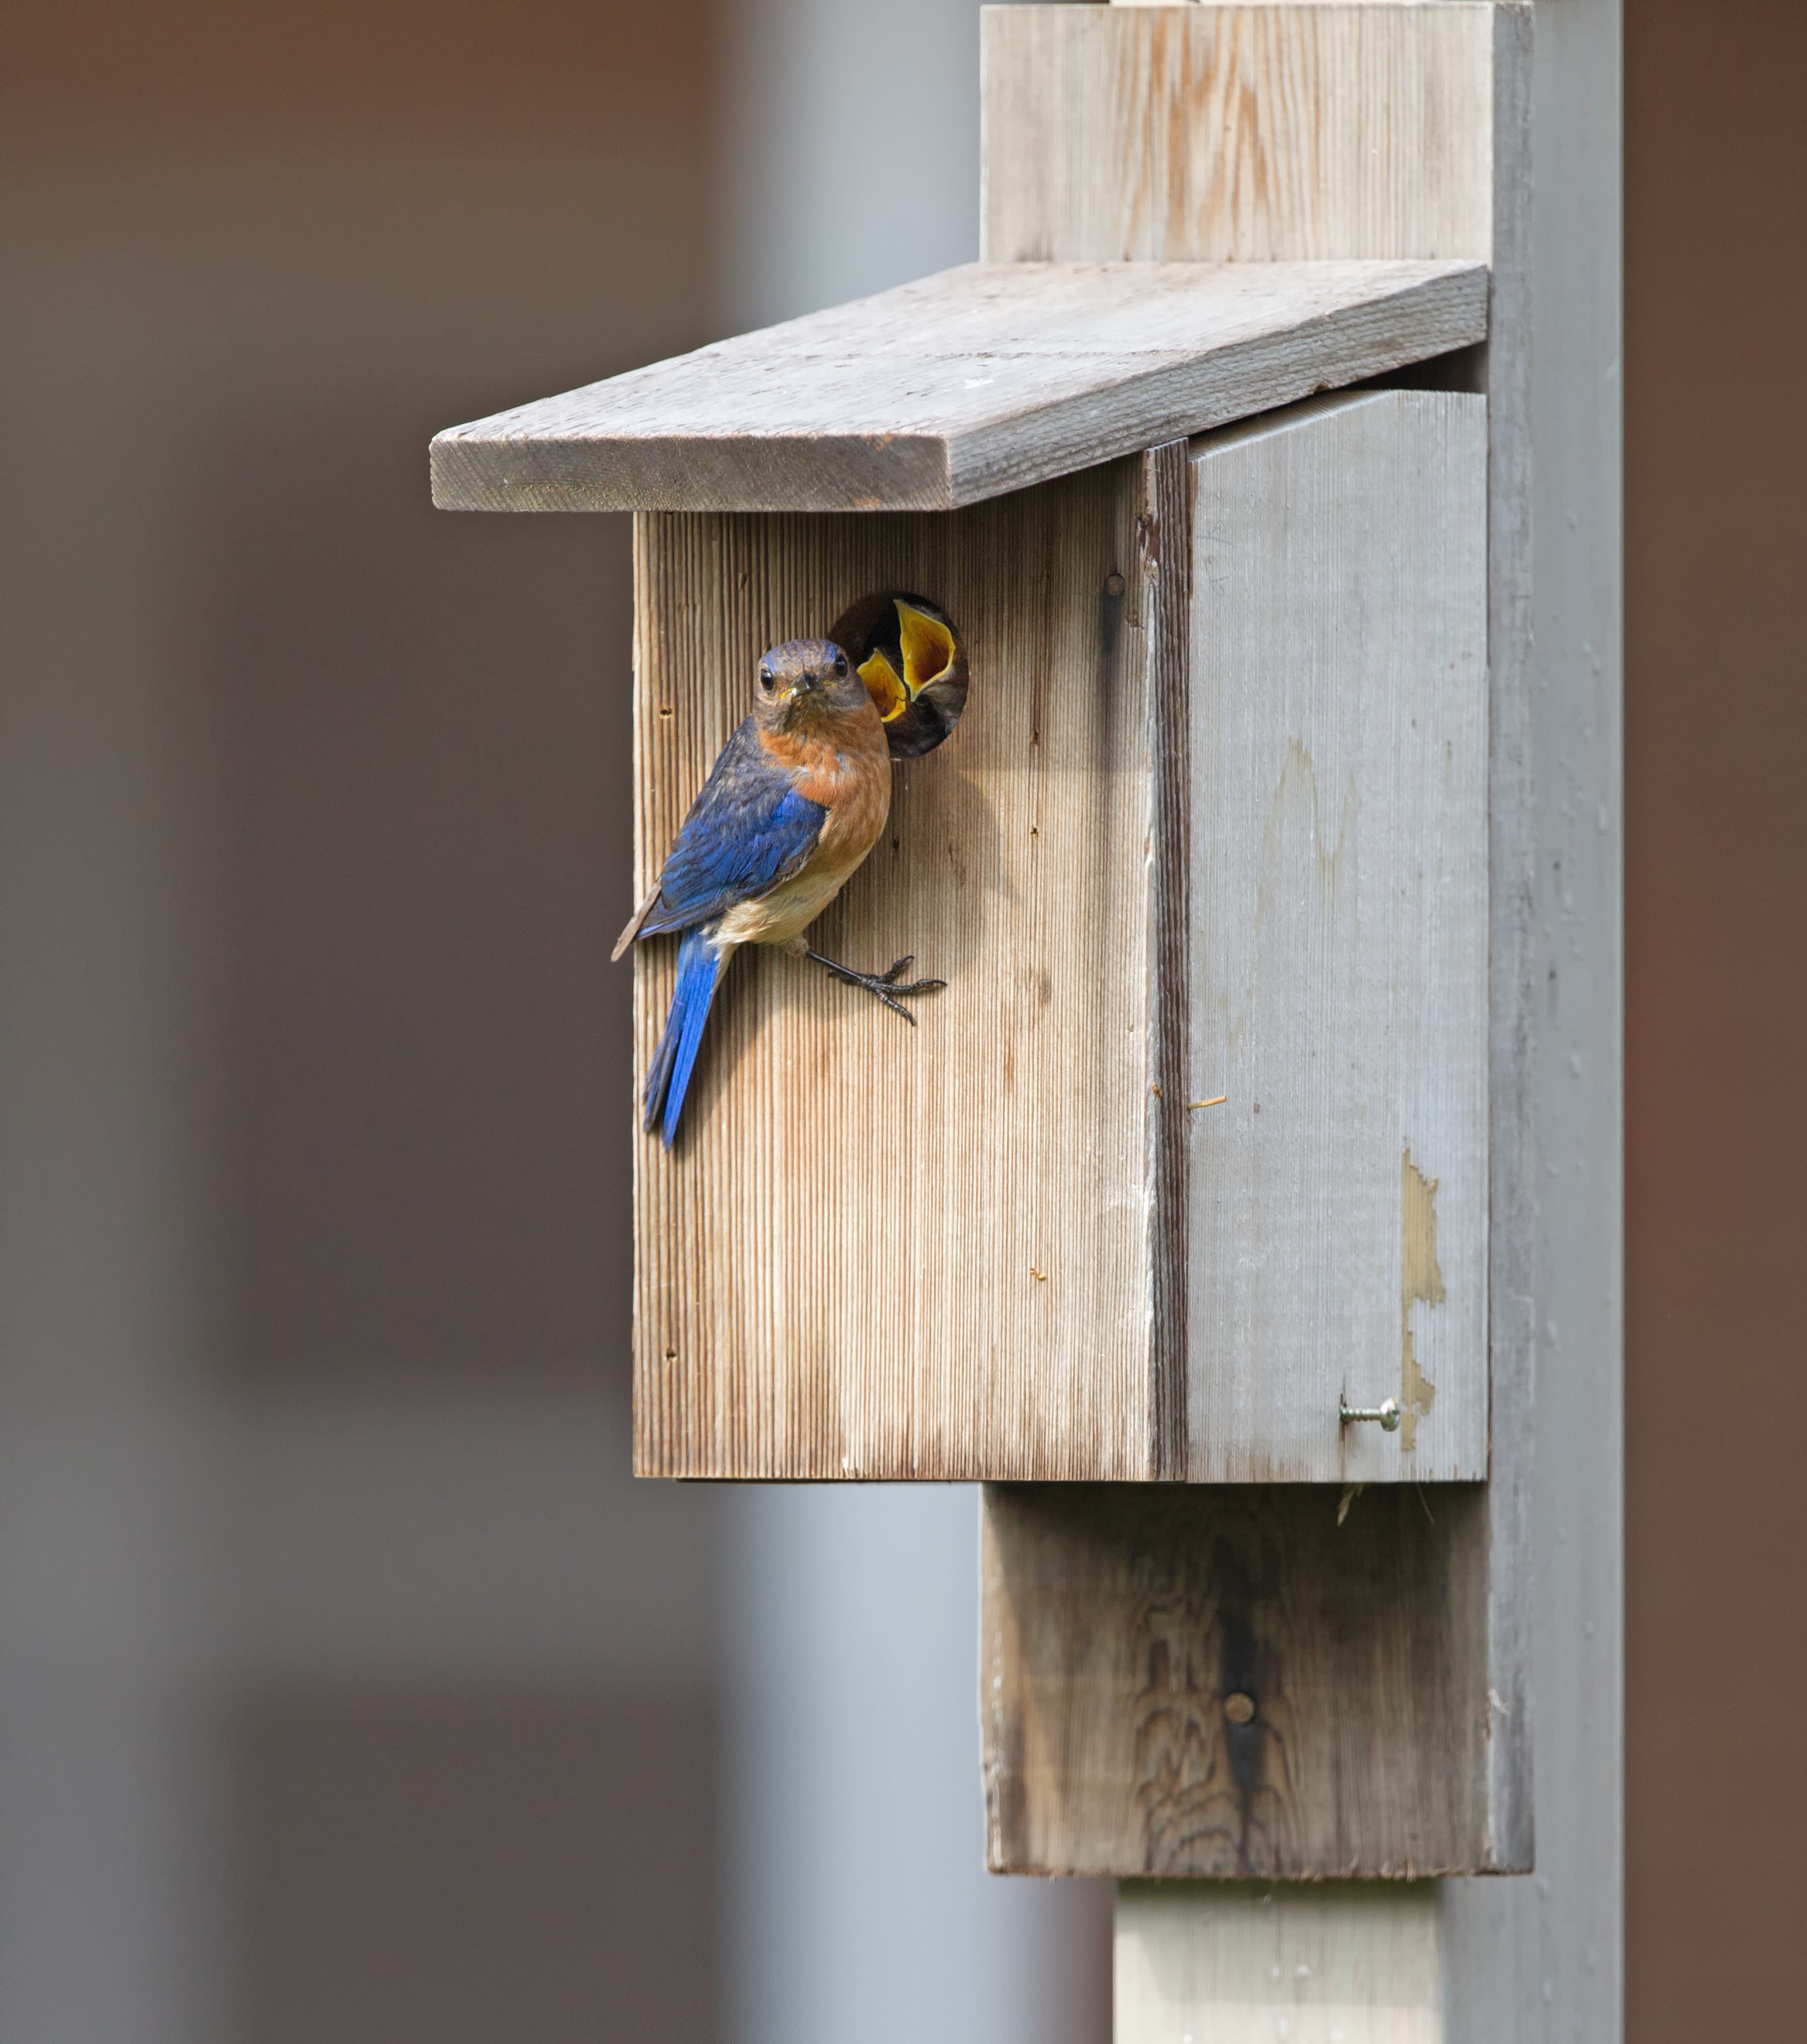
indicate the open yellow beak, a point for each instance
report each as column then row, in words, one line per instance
column 885, row 687
column 927, row 648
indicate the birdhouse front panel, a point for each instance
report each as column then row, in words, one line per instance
column 882, row 1247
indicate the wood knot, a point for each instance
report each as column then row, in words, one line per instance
column 1239, row 1707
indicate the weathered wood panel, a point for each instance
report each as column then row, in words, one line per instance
column 1256, row 134
column 882, row 1251
column 1224, row 1680
column 1339, row 862
column 958, row 387
column 1330, row 1962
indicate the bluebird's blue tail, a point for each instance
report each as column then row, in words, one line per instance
column 699, row 973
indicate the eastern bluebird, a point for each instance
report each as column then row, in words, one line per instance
column 797, row 799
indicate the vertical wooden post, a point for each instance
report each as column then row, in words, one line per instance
column 1174, row 141
column 1332, row 1962
column 1542, row 1956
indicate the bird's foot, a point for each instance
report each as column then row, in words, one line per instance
column 889, row 987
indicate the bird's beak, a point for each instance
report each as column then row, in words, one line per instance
column 928, row 647
column 883, row 684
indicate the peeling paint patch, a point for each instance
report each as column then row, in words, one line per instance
column 1420, row 1281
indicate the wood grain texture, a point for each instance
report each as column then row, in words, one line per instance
column 1121, row 1624
column 1254, row 133
column 879, row 1251
column 1332, row 1962
column 961, row 386
column 1339, row 780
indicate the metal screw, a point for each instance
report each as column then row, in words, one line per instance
column 1387, row 1413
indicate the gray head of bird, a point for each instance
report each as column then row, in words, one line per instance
column 807, row 682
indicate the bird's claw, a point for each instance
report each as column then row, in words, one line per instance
column 884, row 986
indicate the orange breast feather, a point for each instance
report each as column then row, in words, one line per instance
column 849, row 773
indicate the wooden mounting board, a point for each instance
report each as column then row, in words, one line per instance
column 1280, row 132
column 1245, row 134
column 1222, row 1679
column 961, row 386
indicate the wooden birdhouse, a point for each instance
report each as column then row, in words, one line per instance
column 1206, row 1165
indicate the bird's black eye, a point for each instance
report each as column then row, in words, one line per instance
column 840, row 663
column 765, row 675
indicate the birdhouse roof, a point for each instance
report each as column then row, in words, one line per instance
column 960, row 386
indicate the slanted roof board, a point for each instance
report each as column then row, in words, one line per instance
column 960, row 386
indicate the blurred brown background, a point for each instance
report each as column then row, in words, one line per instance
column 334, row 1705
column 338, row 1699
column 1715, row 1031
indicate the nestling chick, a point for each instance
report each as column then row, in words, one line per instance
column 913, row 662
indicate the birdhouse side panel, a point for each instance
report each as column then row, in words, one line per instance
column 879, row 1251
column 1338, row 953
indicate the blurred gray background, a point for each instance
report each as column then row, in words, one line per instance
column 349, row 1688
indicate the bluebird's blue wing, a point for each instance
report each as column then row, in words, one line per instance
column 747, row 830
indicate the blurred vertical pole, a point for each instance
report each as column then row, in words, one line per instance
column 851, row 156
column 111, row 1876
column 858, row 1904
